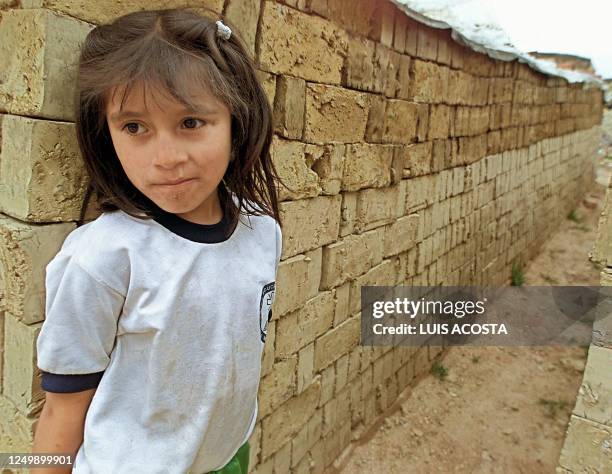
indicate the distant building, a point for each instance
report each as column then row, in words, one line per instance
column 608, row 92
column 567, row 61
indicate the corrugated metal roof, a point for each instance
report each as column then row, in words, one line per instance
column 471, row 24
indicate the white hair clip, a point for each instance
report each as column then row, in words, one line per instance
column 223, row 31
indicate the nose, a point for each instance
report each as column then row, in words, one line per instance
column 168, row 153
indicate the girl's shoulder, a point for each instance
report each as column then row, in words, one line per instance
column 102, row 247
column 108, row 230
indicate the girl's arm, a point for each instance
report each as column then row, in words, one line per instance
column 60, row 426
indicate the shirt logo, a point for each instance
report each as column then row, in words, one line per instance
column 265, row 308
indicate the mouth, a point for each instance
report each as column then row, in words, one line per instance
column 176, row 183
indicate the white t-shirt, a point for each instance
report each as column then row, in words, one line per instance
column 168, row 319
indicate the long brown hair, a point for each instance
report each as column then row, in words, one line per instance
column 174, row 48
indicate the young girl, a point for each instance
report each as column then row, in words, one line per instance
column 157, row 310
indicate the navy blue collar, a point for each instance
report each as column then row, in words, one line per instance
column 202, row 233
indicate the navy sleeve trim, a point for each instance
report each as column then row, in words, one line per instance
column 68, row 383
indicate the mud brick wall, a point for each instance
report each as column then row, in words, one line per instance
column 410, row 160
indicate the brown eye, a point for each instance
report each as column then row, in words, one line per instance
column 132, row 127
column 191, row 122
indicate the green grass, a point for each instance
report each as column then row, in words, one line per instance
column 475, row 359
column 439, row 370
column 553, row 406
column 572, row 216
column 517, row 278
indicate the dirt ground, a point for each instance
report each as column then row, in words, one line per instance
column 498, row 409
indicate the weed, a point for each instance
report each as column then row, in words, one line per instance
column 475, row 359
column 439, row 370
column 552, row 406
column 573, row 217
column 518, row 278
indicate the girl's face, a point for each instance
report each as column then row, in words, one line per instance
column 174, row 156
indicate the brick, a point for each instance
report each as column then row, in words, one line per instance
column 265, row 467
column 268, row 82
column 428, row 82
column 439, row 121
column 299, row 447
column 25, row 251
column 21, row 381
column 383, row 23
column 334, row 114
column 317, row 49
column 282, row 458
column 360, row 64
column 310, row 223
column 267, row 361
column 602, row 250
column 418, row 191
column 275, row 429
column 399, row 33
column 586, row 446
column 2, row 318
column 412, row 33
column 105, row 12
column 427, row 43
column 244, row 15
column 289, row 106
column 335, row 442
column 328, row 383
column 444, row 51
column 297, row 281
column 349, row 213
column 299, row 180
column 459, row 86
column 16, row 430
column 341, row 295
column 397, row 69
column 419, row 159
column 422, row 122
column 36, row 72
column 342, row 373
column 595, row 395
column 327, row 163
column 400, row 122
column 278, row 386
column 403, row 77
column 458, row 53
column 350, row 257
column 305, row 367
column 300, row 328
column 355, row 16
column 335, row 343
column 366, row 165
column 383, row 70
column 42, row 177
column 375, row 125
column 401, row 235
column 379, row 206
column 330, row 410
column 383, row 274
